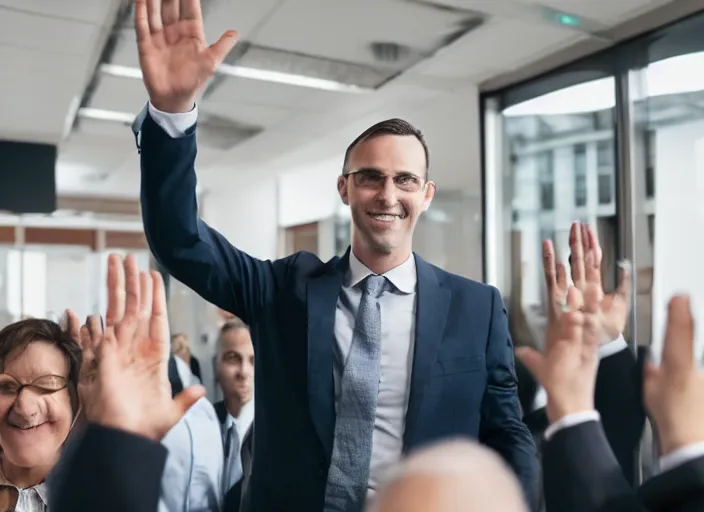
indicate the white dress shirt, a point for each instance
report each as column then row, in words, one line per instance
column 192, row 477
column 242, row 425
column 398, row 312
column 397, row 346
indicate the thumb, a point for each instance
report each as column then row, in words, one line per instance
column 186, row 398
column 219, row 50
column 533, row 360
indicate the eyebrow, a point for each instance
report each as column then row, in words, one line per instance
column 396, row 173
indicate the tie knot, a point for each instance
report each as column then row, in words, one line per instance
column 374, row 285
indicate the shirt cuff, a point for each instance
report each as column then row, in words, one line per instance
column 175, row 125
column 612, row 347
column 681, row 456
column 571, row 420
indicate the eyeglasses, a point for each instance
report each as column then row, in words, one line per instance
column 374, row 179
column 44, row 385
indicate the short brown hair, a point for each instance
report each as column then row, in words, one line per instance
column 232, row 325
column 15, row 338
column 389, row 127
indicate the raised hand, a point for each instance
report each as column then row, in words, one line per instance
column 175, row 58
column 132, row 390
column 567, row 369
column 674, row 392
column 556, row 284
column 585, row 262
column 90, row 336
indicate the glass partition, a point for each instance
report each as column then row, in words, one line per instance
column 559, row 167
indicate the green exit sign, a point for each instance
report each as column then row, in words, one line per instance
column 567, row 19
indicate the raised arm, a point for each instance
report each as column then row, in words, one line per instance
column 176, row 62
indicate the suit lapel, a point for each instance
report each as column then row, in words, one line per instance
column 322, row 294
column 433, row 302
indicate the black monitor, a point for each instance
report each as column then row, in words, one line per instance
column 27, row 177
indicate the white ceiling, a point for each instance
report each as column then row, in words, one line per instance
column 50, row 50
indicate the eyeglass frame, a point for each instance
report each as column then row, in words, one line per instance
column 423, row 182
column 42, row 390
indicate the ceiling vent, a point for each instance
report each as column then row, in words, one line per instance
column 389, row 53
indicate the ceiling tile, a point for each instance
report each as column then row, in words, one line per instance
column 55, row 36
column 342, row 30
column 512, row 43
column 246, row 113
column 39, row 96
column 93, row 12
column 119, row 94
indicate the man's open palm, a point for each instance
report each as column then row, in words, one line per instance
column 175, row 58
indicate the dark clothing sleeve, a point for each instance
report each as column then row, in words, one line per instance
column 110, row 471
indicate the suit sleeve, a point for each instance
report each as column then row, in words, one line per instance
column 191, row 251
column 581, row 474
column 617, row 397
column 501, row 426
column 110, row 471
column 680, row 489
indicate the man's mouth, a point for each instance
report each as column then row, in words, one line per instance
column 386, row 217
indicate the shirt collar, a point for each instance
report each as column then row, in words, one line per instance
column 40, row 489
column 403, row 277
column 244, row 420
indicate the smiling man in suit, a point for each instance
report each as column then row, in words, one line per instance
column 358, row 360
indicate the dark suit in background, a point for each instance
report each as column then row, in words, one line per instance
column 463, row 379
column 582, row 475
column 235, row 497
column 617, row 397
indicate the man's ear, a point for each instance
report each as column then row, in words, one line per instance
column 342, row 189
column 429, row 194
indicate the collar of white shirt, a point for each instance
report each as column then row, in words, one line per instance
column 40, row 489
column 243, row 421
column 403, row 277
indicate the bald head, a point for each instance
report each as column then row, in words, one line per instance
column 455, row 476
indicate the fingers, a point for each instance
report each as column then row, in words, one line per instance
column 145, row 309
column 533, row 360
column 577, row 255
column 141, row 21
column 95, row 330
column 170, row 11
column 185, row 400
column 561, row 276
column 219, row 50
column 132, row 288
column 595, row 246
column 549, row 265
column 190, row 10
column 592, row 333
column 159, row 323
column 678, row 351
column 154, row 15
column 73, row 325
column 116, row 290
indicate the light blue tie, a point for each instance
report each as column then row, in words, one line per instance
column 232, row 472
column 354, row 425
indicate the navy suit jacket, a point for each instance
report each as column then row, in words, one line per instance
column 463, row 379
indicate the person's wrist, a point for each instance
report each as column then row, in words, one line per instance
column 173, row 105
column 671, row 440
column 557, row 411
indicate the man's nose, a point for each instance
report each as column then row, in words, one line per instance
column 387, row 192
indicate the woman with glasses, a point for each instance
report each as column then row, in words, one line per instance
column 39, row 368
